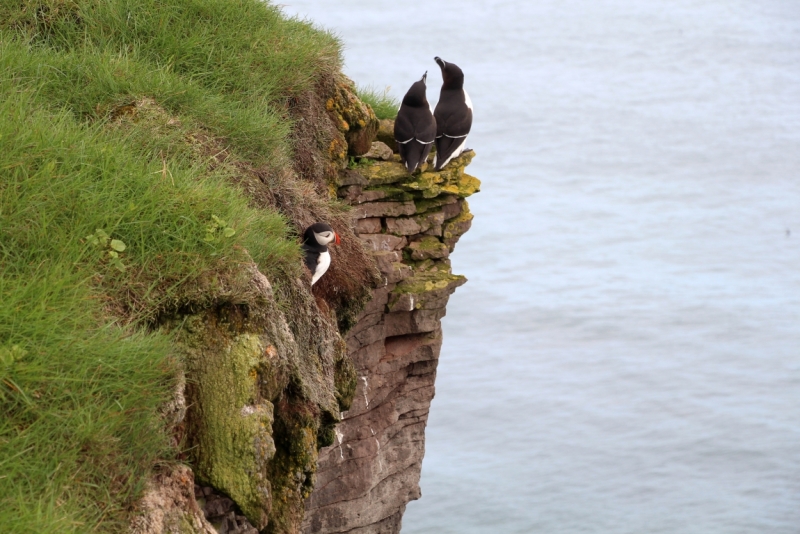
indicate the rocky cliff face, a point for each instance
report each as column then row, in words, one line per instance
column 289, row 426
column 411, row 223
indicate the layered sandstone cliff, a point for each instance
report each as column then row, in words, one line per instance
column 411, row 223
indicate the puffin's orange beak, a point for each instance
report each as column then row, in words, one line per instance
column 338, row 239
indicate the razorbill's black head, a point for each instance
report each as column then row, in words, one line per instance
column 453, row 115
column 415, row 97
column 452, row 75
column 415, row 127
column 316, row 239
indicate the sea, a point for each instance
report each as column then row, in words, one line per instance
column 625, row 358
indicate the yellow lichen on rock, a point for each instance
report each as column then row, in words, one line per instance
column 384, row 172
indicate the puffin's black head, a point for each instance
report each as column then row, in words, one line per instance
column 320, row 234
column 415, row 97
column 452, row 75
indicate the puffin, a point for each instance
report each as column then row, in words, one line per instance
column 453, row 115
column 316, row 239
column 415, row 127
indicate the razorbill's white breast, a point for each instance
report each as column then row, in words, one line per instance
column 453, row 115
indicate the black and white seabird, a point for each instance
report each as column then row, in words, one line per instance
column 316, row 239
column 453, row 115
column 415, row 127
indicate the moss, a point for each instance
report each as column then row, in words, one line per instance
column 424, row 290
column 273, row 376
column 231, row 436
column 428, row 204
column 385, row 172
column 291, row 470
column 428, row 243
column 393, row 193
column 450, row 180
column 429, row 247
column 186, row 526
column 430, row 265
column 345, row 378
column 428, row 183
column 262, row 400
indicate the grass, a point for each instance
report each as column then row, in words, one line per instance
column 384, row 105
column 104, row 109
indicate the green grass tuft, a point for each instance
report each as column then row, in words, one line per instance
column 109, row 111
column 382, row 103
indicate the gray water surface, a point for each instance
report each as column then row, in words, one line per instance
column 626, row 355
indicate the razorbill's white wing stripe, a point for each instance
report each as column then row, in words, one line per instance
column 415, row 122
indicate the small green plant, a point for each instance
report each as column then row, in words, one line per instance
column 216, row 227
column 112, row 247
column 356, row 162
column 8, row 357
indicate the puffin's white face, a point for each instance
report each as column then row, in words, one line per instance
column 324, row 238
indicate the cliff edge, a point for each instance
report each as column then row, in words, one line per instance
column 411, row 225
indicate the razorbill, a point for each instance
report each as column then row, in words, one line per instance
column 453, row 115
column 316, row 239
column 415, row 127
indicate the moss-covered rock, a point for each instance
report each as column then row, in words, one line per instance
column 384, row 172
column 465, row 186
column 429, row 247
column 425, row 186
column 433, row 204
column 353, row 117
column 231, row 437
column 345, row 377
column 263, row 396
column 425, row 290
column 454, row 228
column 429, row 184
column 450, row 180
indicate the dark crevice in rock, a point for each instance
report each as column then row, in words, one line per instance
column 221, row 512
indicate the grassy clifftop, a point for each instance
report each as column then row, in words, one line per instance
column 148, row 149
